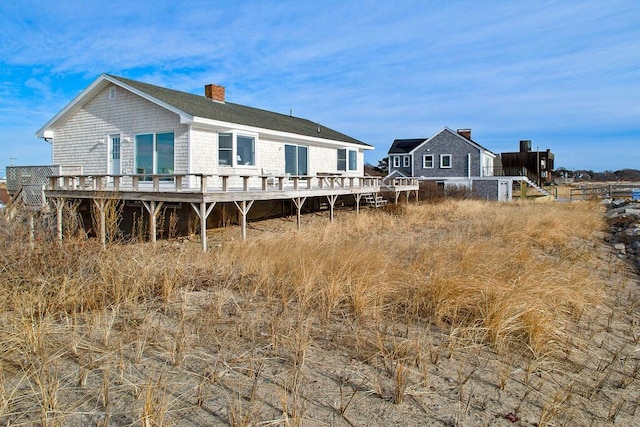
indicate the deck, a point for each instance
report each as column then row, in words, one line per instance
column 201, row 191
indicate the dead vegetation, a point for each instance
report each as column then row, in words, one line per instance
column 455, row 313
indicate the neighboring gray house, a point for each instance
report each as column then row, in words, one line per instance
column 118, row 126
column 447, row 156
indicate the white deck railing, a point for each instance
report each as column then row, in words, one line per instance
column 204, row 183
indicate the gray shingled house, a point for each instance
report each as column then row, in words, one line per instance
column 446, row 156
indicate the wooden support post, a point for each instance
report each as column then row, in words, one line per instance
column 100, row 204
column 523, row 190
column 244, row 207
column 59, row 204
column 397, row 194
column 203, row 213
column 332, row 201
column 32, row 231
column 153, row 210
column 358, row 196
column 298, row 201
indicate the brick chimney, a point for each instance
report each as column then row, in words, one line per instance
column 214, row 92
column 465, row 133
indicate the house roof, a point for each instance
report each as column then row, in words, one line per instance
column 190, row 106
column 405, row 146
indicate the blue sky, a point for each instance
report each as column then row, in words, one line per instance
column 564, row 74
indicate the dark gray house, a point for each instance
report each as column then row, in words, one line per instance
column 446, row 156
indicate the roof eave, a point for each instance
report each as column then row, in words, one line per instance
column 293, row 137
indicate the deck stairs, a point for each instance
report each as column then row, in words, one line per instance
column 535, row 186
column 374, row 200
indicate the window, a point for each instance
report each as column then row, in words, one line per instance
column 295, row 159
column 342, row 159
column 154, row 154
column 427, row 161
column 445, row 161
column 396, row 161
column 245, row 150
column 406, row 161
column 112, row 92
column 225, row 149
column 236, row 150
column 353, row 160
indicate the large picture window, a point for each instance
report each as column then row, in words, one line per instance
column 236, row 150
column 155, row 154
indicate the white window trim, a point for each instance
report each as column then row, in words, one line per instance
column 234, row 151
column 406, row 161
column 424, row 163
column 396, row 161
column 442, row 156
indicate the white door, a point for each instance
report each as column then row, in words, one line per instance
column 503, row 191
column 115, row 164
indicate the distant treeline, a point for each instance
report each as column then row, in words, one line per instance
column 589, row 175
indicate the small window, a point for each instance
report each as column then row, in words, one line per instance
column 342, row 159
column 225, row 149
column 112, row 92
column 445, row 161
column 396, row 161
column 353, row 160
column 406, row 161
column 427, row 161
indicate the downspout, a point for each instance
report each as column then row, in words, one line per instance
column 469, row 170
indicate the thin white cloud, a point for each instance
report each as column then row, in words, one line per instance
column 374, row 70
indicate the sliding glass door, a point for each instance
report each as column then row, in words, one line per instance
column 155, row 155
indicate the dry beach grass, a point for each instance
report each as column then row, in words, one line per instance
column 452, row 313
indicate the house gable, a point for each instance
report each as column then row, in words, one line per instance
column 451, row 154
column 80, row 136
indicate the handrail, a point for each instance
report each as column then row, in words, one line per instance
column 197, row 182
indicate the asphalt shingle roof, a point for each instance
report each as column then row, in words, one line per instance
column 403, row 146
column 201, row 106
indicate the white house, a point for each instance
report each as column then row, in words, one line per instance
column 118, row 126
